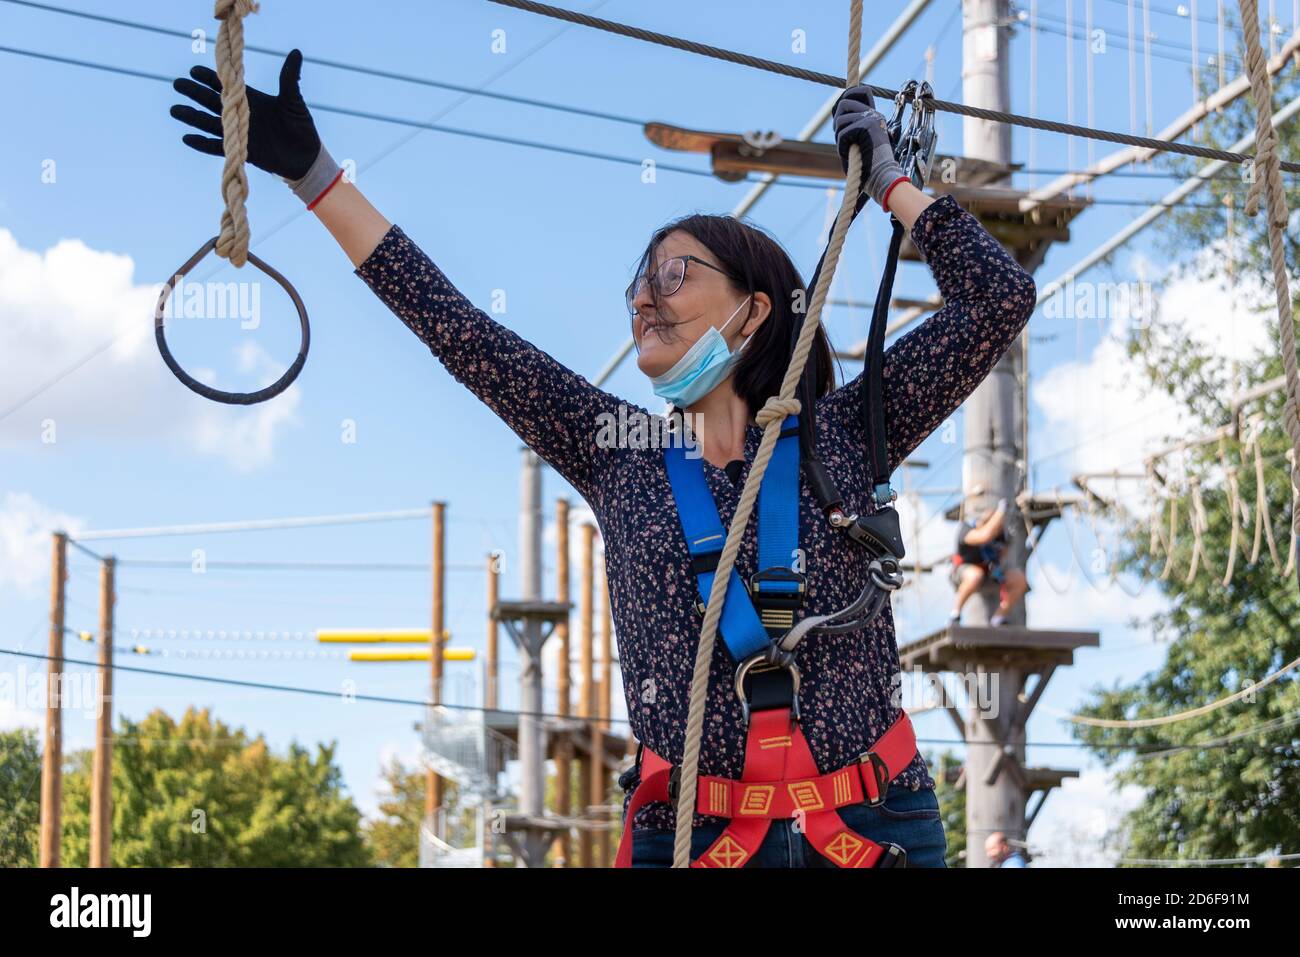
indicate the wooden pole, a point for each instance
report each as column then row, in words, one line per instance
column 101, row 793
column 433, row 782
column 490, row 678
column 52, row 758
column 493, row 629
column 601, row 777
column 586, row 695
column 564, row 751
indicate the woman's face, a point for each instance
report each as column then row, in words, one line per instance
column 706, row 298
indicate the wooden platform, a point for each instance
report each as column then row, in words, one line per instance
column 952, row 648
column 553, row 611
column 556, row 729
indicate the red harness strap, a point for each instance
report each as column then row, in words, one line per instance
column 780, row 780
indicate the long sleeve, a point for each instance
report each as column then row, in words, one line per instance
column 555, row 411
column 931, row 370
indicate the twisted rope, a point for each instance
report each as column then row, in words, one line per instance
column 1181, row 715
column 1233, row 512
column 828, row 79
column 232, row 243
column 769, row 418
column 1269, row 186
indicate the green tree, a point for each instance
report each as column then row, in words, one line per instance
column 394, row 836
column 1225, row 784
column 195, row 792
column 952, row 805
column 20, row 798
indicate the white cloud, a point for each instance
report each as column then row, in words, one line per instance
column 59, row 306
column 14, row 714
column 1104, row 403
column 1077, row 824
column 25, row 527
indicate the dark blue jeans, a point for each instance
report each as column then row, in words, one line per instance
column 908, row 818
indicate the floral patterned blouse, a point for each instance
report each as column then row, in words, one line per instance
column 850, row 681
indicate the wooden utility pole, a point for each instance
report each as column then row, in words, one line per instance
column 994, row 459
column 432, row 781
column 606, row 681
column 52, row 758
column 564, row 749
column 493, row 627
column 490, row 679
column 101, row 785
column 586, row 693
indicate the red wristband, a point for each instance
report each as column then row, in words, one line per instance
column 884, row 203
column 337, row 176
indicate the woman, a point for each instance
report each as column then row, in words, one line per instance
column 715, row 277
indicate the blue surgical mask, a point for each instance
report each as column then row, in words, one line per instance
column 705, row 364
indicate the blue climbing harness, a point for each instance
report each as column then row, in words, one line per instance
column 776, row 588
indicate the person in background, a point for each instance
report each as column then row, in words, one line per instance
column 1000, row 852
column 980, row 549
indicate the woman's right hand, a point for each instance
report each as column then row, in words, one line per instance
column 858, row 121
column 282, row 138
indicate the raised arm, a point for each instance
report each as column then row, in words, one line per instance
column 931, row 370
column 555, row 411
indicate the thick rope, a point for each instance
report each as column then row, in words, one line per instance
column 1233, row 512
column 827, row 79
column 1270, row 186
column 232, row 243
column 769, row 418
column 1180, row 716
column 1263, row 518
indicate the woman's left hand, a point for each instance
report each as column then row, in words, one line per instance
column 858, row 121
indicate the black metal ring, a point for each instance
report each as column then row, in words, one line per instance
column 217, row 395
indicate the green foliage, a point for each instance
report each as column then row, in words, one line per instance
column 1231, row 785
column 195, row 793
column 952, row 805
column 394, row 837
column 20, row 798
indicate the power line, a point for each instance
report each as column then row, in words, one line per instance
column 347, row 67
column 295, row 216
column 308, row 566
column 414, row 702
column 1127, row 40
column 827, row 79
column 1261, row 858
column 378, row 117
column 1176, row 15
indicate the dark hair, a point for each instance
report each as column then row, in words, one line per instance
column 755, row 262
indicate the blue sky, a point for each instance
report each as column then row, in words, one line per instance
column 557, row 234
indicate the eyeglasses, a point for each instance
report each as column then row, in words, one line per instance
column 668, row 278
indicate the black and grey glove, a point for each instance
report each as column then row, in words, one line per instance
column 858, row 121
column 282, row 138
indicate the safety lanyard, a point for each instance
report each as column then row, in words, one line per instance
column 776, row 585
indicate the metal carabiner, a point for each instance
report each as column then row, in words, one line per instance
column 771, row 658
column 895, row 124
column 919, row 141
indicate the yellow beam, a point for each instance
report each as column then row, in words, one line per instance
column 413, row 654
column 356, row 636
